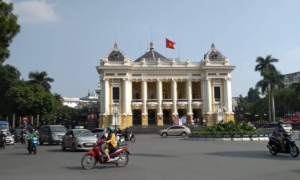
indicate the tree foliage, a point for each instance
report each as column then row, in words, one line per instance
column 9, row 28
column 40, row 78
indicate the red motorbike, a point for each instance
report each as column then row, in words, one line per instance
column 119, row 156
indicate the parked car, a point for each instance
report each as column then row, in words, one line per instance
column 179, row 130
column 51, row 134
column 270, row 128
column 99, row 132
column 78, row 139
column 10, row 140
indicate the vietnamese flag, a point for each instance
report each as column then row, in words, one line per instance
column 170, row 44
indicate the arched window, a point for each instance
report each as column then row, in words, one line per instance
column 150, row 94
column 136, row 94
column 165, row 94
column 194, row 94
column 179, row 94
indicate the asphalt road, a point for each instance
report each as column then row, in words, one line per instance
column 155, row 158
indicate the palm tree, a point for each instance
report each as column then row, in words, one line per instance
column 265, row 64
column 272, row 79
column 41, row 78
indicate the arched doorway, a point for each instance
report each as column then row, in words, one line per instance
column 180, row 112
column 151, row 117
column 136, row 117
column 166, row 116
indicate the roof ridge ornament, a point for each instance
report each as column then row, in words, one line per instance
column 213, row 46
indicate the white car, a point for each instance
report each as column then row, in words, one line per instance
column 10, row 139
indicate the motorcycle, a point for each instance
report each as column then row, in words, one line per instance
column 119, row 156
column 2, row 143
column 290, row 146
column 131, row 138
column 23, row 139
column 33, row 145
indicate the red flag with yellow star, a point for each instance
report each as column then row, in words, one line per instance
column 170, row 44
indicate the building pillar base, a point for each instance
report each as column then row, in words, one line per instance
column 144, row 120
column 159, row 120
column 210, row 119
column 126, row 121
column 229, row 117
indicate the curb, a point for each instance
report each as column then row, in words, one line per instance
column 264, row 137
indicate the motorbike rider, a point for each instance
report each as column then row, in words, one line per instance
column 30, row 137
column 2, row 135
column 126, row 133
column 119, row 131
column 278, row 133
column 111, row 142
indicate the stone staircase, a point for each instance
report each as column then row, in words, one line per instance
column 153, row 129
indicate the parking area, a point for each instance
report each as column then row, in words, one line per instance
column 154, row 157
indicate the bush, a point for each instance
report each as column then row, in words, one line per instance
column 229, row 128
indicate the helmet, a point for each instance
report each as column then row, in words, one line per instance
column 112, row 129
column 280, row 123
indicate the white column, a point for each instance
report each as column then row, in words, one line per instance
column 174, row 96
column 125, row 96
column 204, row 95
column 209, row 101
column 144, row 97
column 189, row 96
column 102, row 92
column 159, row 96
column 228, row 96
column 129, row 99
column 106, row 97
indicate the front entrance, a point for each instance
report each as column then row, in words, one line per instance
column 151, row 116
column 166, row 117
column 136, row 117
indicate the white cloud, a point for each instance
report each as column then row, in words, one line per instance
column 35, row 11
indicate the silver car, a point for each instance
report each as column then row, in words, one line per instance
column 51, row 134
column 78, row 139
column 10, row 140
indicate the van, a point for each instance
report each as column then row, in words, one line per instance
column 51, row 134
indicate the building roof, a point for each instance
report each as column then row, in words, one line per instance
column 152, row 55
column 291, row 76
column 214, row 55
column 116, row 54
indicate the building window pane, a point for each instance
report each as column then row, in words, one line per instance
column 116, row 94
column 217, row 91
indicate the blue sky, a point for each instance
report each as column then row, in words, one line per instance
column 67, row 38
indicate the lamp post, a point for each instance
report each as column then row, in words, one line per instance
column 265, row 115
column 256, row 115
column 116, row 113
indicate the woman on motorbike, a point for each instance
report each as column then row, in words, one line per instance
column 111, row 142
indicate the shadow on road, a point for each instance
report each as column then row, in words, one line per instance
column 16, row 154
column 253, row 154
column 61, row 151
column 96, row 167
column 151, row 155
column 296, row 170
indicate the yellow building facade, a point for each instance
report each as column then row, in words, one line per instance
column 154, row 90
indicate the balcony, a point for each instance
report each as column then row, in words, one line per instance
column 152, row 103
column 136, row 104
column 167, row 103
column 196, row 103
column 181, row 103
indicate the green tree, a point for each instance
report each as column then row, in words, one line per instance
column 9, row 28
column 41, row 78
column 271, row 79
column 253, row 95
column 265, row 65
column 296, row 87
column 30, row 100
column 9, row 77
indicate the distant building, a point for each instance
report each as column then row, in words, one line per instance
column 91, row 100
column 291, row 78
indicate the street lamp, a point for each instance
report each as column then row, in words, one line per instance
column 116, row 113
column 256, row 115
column 265, row 116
